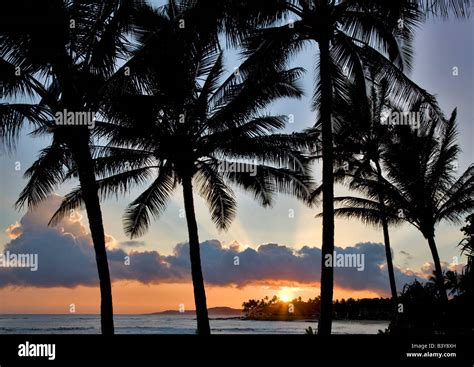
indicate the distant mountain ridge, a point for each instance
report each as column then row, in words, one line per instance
column 213, row 311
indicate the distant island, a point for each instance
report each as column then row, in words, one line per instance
column 212, row 311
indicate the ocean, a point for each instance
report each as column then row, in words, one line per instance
column 170, row 324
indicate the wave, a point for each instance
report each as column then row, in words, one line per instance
column 61, row 328
column 151, row 328
column 246, row 329
column 154, row 330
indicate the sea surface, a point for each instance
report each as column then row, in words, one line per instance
column 170, row 324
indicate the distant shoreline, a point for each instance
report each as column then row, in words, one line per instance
column 212, row 311
column 240, row 316
column 228, row 313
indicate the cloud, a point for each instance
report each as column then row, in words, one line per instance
column 132, row 243
column 64, row 253
column 66, row 259
column 406, row 254
column 13, row 231
column 428, row 268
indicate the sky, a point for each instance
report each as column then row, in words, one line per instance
column 278, row 249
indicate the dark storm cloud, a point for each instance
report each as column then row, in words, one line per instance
column 66, row 259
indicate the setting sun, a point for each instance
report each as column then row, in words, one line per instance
column 286, row 294
column 285, row 297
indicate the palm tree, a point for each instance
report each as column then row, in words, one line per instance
column 452, row 282
column 467, row 243
column 360, row 143
column 192, row 129
column 420, row 185
column 467, row 248
column 63, row 54
column 348, row 34
column 428, row 191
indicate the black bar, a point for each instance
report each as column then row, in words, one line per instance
column 237, row 347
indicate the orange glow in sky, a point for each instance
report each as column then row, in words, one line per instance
column 136, row 298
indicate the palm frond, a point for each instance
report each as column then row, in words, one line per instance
column 217, row 194
column 444, row 8
column 45, row 174
column 13, row 117
column 152, row 202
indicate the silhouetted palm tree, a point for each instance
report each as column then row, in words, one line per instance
column 348, row 34
column 452, row 282
column 420, row 186
column 360, row 143
column 467, row 243
column 192, row 128
column 62, row 54
column 467, row 248
column 428, row 191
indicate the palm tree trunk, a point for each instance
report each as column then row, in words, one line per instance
column 91, row 199
column 469, row 289
column 327, row 272
column 195, row 256
column 438, row 270
column 386, row 236
column 79, row 145
column 388, row 254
